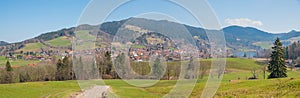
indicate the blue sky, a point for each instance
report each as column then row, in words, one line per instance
column 23, row 19
column 276, row 16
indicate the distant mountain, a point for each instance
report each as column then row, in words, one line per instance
column 2, row 43
column 248, row 33
column 253, row 34
column 286, row 36
column 237, row 37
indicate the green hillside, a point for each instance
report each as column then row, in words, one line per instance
column 60, row 42
column 84, row 35
column 243, row 64
column 236, row 37
column 57, row 42
column 84, row 40
column 264, row 45
column 32, row 47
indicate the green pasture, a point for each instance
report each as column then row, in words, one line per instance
column 237, row 70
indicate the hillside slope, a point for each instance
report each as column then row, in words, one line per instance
column 236, row 36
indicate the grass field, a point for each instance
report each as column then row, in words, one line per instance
column 85, row 45
column 84, row 35
column 60, row 42
column 267, row 88
column 32, row 47
column 244, row 88
column 240, row 63
column 55, row 89
column 84, row 40
column 16, row 62
column 138, row 46
column 264, row 45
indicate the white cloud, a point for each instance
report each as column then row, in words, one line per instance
column 246, row 22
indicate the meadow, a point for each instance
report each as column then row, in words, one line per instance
column 84, row 35
column 264, row 45
column 32, row 47
column 15, row 63
column 236, row 68
column 60, row 42
column 54, row 89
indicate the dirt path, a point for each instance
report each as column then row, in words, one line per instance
column 95, row 92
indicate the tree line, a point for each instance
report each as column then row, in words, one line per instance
column 293, row 52
column 83, row 68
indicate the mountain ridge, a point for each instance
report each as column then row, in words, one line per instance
column 235, row 36
column 3, row 43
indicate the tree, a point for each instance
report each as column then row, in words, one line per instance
column 190, row 69
column 8, row 66
column 120, row 66
column 59, row 70
column 264, row 71
column 79, row 69
column 157, row 70
column 254, row 74
column 104, row 64
column 108, row 67
column 7, row 76
column 277, row 66
column 245, row 55
column 67, row 68
column 168, row 72
column 203, row 69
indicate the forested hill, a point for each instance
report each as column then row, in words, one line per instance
column 236, row 36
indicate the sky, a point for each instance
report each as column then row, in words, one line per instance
column 24, row 19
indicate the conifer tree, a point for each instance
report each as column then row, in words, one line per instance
column 59, row 70
column 157, row 68
column 8, row 66
column 277, row 66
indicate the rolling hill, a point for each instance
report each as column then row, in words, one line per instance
column 236, row 37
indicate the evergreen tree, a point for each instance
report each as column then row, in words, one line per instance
column 8, row 66
column 67, row 70
column 59, row 70
column 190, row 69
column 80, row 69
column 108, row 67
column 120, row 66
column 277, row 66
column 8, row 75
column 245, row 55
column 157, row 70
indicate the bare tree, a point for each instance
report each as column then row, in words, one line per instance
column 254, row 74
